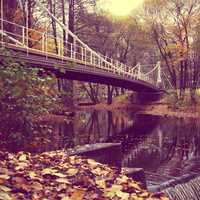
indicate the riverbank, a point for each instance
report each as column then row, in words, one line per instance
column 168, row 111
column 123, row 103
column 55, row 175
column 159, row 108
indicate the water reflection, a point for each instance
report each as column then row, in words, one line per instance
column 170, row 150
column 164, row 147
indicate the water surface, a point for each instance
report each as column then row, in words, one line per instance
column 164, row 147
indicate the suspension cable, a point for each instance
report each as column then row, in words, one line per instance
column 167, row 79
column 151, row 70
column 77, row 38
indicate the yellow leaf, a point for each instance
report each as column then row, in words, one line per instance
column 60, row 175
column 101, row 183
column 23, row 158
column 92, row 163
column 4, row 188
column 21, row 166
column 122, row 179
column 5, row 196
column 32, row 175
column 144, row 194
column 65, row 198
column 122, row 195
column 72, row 171
column 97, row 171
column 4, row 176
column 111, row 192
column 135, row 185
column 37, row 186
column 62, row 180
column 116, row 187
column 48, row 171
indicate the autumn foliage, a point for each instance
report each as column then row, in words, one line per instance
column 55, row 175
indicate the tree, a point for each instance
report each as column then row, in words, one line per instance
column 25, row 92
column 171, row 24
column 9, row 13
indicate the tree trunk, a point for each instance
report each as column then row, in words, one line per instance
column 9, row 10
column 67, row 85
column 53, row 24
column 71, row 20
column 110, row 94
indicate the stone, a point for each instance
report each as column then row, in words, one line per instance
column 137, row 174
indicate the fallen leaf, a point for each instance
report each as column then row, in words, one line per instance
column 4, row 176
column 22, row 158
column 144, row 194
column 134, row 185
column 36, row 186
column 101, row 183
column 32, row 175
column 4, row 188
column 60, row 175
column 78, row 194
column 62, row 180
column 111, row 192
column 48, row 171
column 5, row 196
column 122, row 195
column 66, row 198
column 92, row 163
column 72, row 171
column 21, row 166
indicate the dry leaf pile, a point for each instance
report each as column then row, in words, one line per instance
column 56, row 176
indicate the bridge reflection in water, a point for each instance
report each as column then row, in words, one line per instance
column 165, row 147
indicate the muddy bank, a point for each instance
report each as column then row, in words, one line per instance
column 159, row 109
column 168, row 111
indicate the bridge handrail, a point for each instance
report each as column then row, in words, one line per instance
column 77, row 52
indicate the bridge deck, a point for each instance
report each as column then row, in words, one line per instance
column 77, row 70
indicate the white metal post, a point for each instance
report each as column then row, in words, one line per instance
column 85, row 52
column 46, row 45
column 74, row 50
column 2, row 28
column 27, row 37
column 71, row 50
column 99, row 62
column 121, row 67
column 23, row 35
column 82, row 56
column 111, row 66
column 62, row 48
column 59, row 48
column 43, row 42
column 139, row 71
column 91, row 58
column 104, row 63
column 46, row 38
column 159, row 79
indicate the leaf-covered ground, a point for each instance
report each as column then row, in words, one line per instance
column 56, row 176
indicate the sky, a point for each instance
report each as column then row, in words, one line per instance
column 120, row 7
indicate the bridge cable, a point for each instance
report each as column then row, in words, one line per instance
column 77, row 38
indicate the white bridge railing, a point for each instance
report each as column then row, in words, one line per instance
column 43, row 42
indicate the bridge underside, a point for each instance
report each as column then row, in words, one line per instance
column 79, row 71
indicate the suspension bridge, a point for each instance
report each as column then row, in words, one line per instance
column 76, row 60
